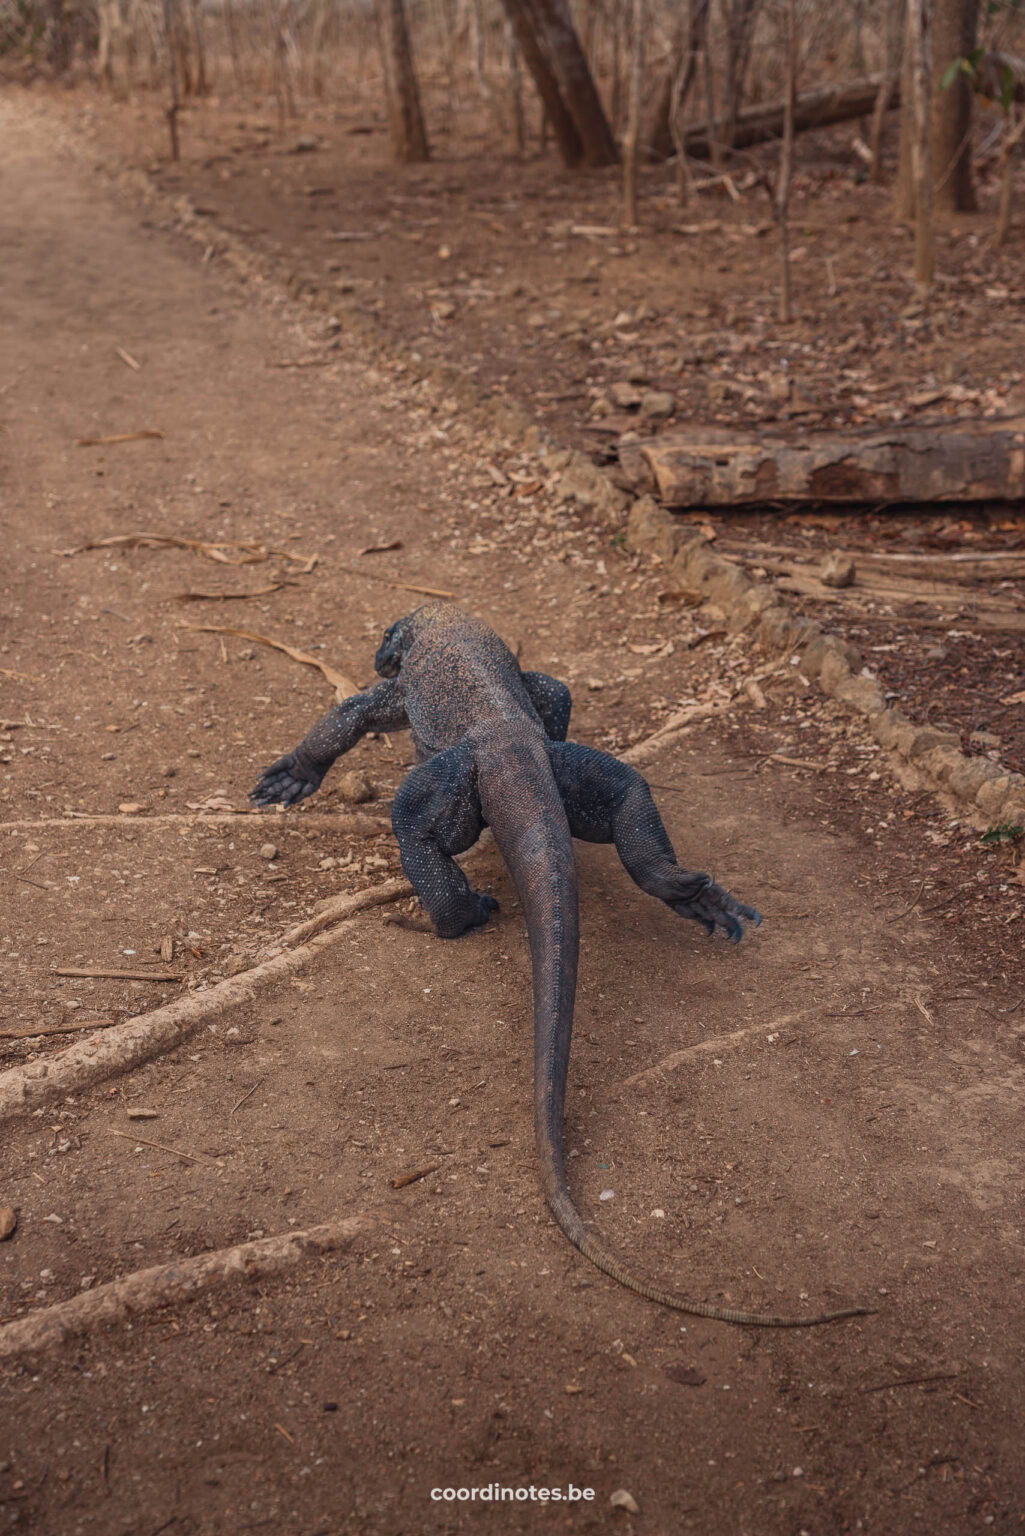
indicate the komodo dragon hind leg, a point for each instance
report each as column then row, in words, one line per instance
column 436, row 814
column 552, row 700
column 607, row 801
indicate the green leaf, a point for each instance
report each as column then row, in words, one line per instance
column 1003, row 832
column 950, row 74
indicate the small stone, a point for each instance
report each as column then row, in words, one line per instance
column 355, row 788
column 656, row 405
column 607, row 1194
column 169, row 771
column 137, row 1112
column 235, row 965
column 129, row 808
column 627, row 396
column 837, row 570
column 305, row 144
column 602, row 407
column 8, row 1222
column 327, row 863
column 985, row 739
column 443, row 309
column 621, row 1499
column 269, row 851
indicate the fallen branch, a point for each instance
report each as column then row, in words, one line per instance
column 127, row 1045
column 201, row 596
column 405, row 586
column 158, row 1146
column 344, row 686
column 178, row 1281
column 252, row 554
column 674, row 726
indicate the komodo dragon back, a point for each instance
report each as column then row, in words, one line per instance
column 492, row 750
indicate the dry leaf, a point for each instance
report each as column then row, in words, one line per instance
column 1014, row 698
column 344, row 686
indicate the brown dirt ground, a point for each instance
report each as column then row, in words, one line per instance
column 863, row 1143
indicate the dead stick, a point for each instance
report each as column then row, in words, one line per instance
column 239, row 1102
column 56, row 1029
column 118, row 437
column 181, row 1280
column 158, row 1146
column 99, row 970
column 405, row 586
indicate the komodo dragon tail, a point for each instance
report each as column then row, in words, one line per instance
column 524, row 810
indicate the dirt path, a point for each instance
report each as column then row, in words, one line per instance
column 854, row 1135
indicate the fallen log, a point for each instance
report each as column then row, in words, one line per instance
column 813, row 109
column 955, row 461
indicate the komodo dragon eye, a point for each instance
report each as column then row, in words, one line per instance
column 389, row 652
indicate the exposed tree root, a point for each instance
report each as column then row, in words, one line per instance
column 180, row 1280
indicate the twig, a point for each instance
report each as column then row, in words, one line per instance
column 342, row 822
column 251, row 554
column 248, row 1095
column 126, row 357
column 181, row 1280
column 796, row 762
column 158, row 1146
column 118, row 437
column 99, row 970
column 911, row 1381
column 344, row 686
column 198, row 596
column 56, row 1029
column 405, row 586
column 914, row 904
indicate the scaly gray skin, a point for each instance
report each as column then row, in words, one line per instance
column 492, row 751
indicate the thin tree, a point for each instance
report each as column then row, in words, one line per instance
column 786, row 167
column 632, row 138
column 919, row 51
column 405, row 114
column 174, row 100
column 891, row 75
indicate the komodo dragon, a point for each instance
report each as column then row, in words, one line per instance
column 491, row 751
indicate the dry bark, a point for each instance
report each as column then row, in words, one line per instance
column 955, row 461
column 175, row 1282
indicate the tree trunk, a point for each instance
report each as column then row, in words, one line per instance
column 1013, row 133
column 955, row 28
column 405, row 115
column 173, row 102
column 550, row 45
column 888, row 83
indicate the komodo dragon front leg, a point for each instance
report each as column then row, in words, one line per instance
column 299, row 773
column 607, row 801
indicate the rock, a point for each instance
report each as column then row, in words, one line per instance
column 129, row 808
column 355, row 788
column 8, row 1222
column 138, row 1113
column 627, row 396
column 656, row 404
column 235, row 965
column 621, row 1499
column 305, row 144
column 837, row 570
column 268, row 851
column 443, row 309
column 985, row 739
column 602, row 407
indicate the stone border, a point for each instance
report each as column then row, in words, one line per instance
column 986, row 792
